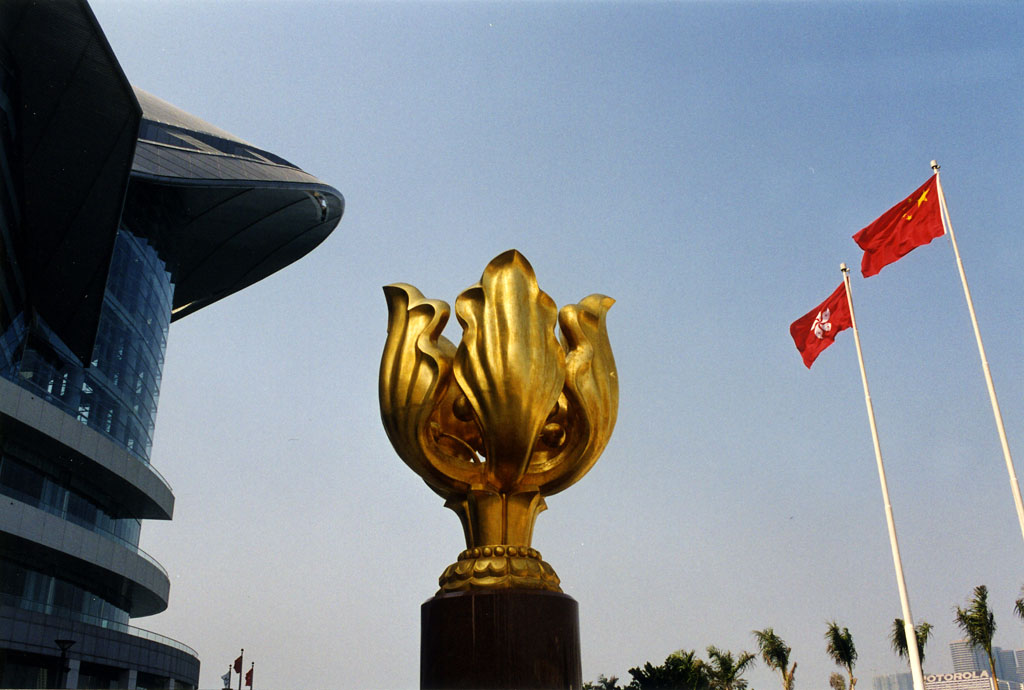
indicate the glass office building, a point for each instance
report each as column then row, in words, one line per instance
column 119, row 214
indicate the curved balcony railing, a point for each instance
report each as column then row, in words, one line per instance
column 61, row 612
column 33, row 387
column 63, row 513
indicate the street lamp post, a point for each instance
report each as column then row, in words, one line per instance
column 64, row 645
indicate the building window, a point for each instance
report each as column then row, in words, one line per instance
column 25, row 483
column 30, row 589
column 117, row 394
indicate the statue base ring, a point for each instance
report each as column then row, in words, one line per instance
column 499, row 566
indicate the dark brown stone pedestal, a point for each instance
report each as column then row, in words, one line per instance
column 499, row 640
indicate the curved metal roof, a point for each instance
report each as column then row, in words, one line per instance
column 222, row 212
column 158, row 110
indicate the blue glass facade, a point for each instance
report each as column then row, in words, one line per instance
column 129, row 354
column 117, row 394
column 26, row 588
column 31, row 485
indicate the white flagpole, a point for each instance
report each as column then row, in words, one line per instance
column 1014, row 486
column 908, row 620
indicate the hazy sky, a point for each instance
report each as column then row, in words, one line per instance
column 703, row 163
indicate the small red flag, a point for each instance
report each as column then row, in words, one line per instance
column 914, row 221
column 248, row 678
column 238, row 665
column 817, row 329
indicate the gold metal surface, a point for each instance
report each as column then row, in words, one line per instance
column 511, row 415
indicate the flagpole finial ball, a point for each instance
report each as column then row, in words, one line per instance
column 935, row 166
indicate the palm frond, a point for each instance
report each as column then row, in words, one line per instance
column 840, row 646
column 725, row 672
column 898, row 638
column 979, row 623
column 775, row 653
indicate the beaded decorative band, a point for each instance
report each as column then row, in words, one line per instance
column 500, row 550
column 500, row 566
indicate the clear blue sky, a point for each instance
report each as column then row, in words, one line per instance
column 703, row 163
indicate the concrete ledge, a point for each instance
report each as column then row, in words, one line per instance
column 137, row 485
column 76, row 549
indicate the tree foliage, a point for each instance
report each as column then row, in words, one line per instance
column 775, row 653
column 898, row 638
column 682, row 670
column 841, row 649
column 979, row 623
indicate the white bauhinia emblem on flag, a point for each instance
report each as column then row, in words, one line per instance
column 821, row 326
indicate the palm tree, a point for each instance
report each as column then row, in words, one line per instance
column 837, row 681
column 1018, row 606
column 775, row 653
column 979, row 624
column 726, row 672
column 898, row 638
column 841, row 649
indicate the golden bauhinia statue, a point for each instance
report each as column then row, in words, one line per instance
column 511, row 415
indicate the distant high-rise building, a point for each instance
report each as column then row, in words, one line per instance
column 1006, row 664
column 967, row 657
column 893, row 681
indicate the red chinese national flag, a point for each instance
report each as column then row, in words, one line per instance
column 817, row 329
column 238, row 665
column 248, row 678
column 914, row 221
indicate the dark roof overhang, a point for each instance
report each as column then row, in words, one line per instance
column 222, row 213
column 78, row 121
column 220, row 236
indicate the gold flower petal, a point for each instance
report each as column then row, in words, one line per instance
column 415, row 374
column 592, row 390
column 509, row 363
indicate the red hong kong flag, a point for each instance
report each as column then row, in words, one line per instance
column 817, row 329
column 248, row 678
column 238, row 665
column 914, row 221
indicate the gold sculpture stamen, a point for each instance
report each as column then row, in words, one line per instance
column 510, row 416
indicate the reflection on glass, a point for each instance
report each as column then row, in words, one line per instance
column 36, row 591
column 117, row 393
column 30, row 485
